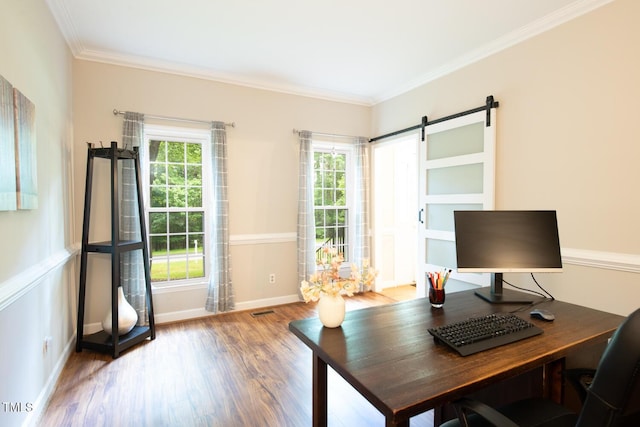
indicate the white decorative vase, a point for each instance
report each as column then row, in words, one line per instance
column 127, row 316
column 331, row 310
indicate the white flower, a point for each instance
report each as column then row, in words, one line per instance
column 327, row 280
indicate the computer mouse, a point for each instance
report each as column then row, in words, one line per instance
column 543, row 314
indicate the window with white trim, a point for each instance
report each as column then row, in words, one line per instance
column 332, row 189
column 176, row 207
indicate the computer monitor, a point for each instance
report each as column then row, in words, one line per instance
column 497, row 242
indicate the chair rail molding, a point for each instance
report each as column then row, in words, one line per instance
column 258, row 239
column 15, row 287
column 598, row 259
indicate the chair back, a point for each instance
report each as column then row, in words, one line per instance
column 613, row 399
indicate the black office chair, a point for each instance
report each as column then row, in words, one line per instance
column 611, row 399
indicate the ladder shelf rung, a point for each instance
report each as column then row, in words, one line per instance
column 108, row 247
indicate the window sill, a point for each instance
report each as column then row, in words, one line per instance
column 180, row 287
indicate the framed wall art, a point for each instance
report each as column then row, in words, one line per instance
column 8, row 200
column 25, row 148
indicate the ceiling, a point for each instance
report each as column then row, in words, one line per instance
column 358, row 51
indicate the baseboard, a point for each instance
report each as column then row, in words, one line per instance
column 177, row 316
column 267, row 302
column 42, row 401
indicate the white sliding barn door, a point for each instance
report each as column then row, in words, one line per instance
column 456, row 172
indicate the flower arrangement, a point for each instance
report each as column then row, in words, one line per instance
column 327, row 280
column 368, row 274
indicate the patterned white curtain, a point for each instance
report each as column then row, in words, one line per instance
column 220, row 296
column 132, row 276
column 362, row 244
column 306, row 223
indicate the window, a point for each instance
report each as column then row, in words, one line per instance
column 332, row 189
column 176, row 208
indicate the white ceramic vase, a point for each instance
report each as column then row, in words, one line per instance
column 331, row 310
column 127, row 316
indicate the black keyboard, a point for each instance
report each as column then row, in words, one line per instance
column 483, row 333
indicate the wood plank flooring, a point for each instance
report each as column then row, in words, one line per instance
column 401, row 292
column 232, row 369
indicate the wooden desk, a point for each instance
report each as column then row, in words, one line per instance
column 386, row 353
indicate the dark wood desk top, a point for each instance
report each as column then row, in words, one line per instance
column 386, row 353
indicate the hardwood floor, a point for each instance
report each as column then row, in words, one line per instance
column 232, row 369
column 401, row 292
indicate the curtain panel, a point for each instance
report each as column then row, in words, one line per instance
column 362, row 243
column 132, row 277
column 220, row 295
column 306, row 235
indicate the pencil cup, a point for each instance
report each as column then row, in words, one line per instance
column 436, row 297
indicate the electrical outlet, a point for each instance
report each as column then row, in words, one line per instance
column 46, row 344
column 272, row 278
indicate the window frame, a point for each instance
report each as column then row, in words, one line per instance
column 179, row 134
column 348, row 150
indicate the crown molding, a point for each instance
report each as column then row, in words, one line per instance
column 62, row 16
column 66, row 26
column 531, row 30
column 150, row 64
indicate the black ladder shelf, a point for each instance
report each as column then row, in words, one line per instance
column 102, row 341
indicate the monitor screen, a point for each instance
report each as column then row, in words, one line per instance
column 506, row 241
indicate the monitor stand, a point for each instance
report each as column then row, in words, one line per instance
column 496, row 295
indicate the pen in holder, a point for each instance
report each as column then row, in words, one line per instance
column 436, row 283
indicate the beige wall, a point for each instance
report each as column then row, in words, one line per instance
column 567, row 140
column 37, row 276
column 263, row 167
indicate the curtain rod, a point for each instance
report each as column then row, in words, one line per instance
column 490, row 103
column 174, row 119
column 329, row 135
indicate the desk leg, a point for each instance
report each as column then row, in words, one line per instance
column 390, row 423
column 319, row 392
column 553, row 387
